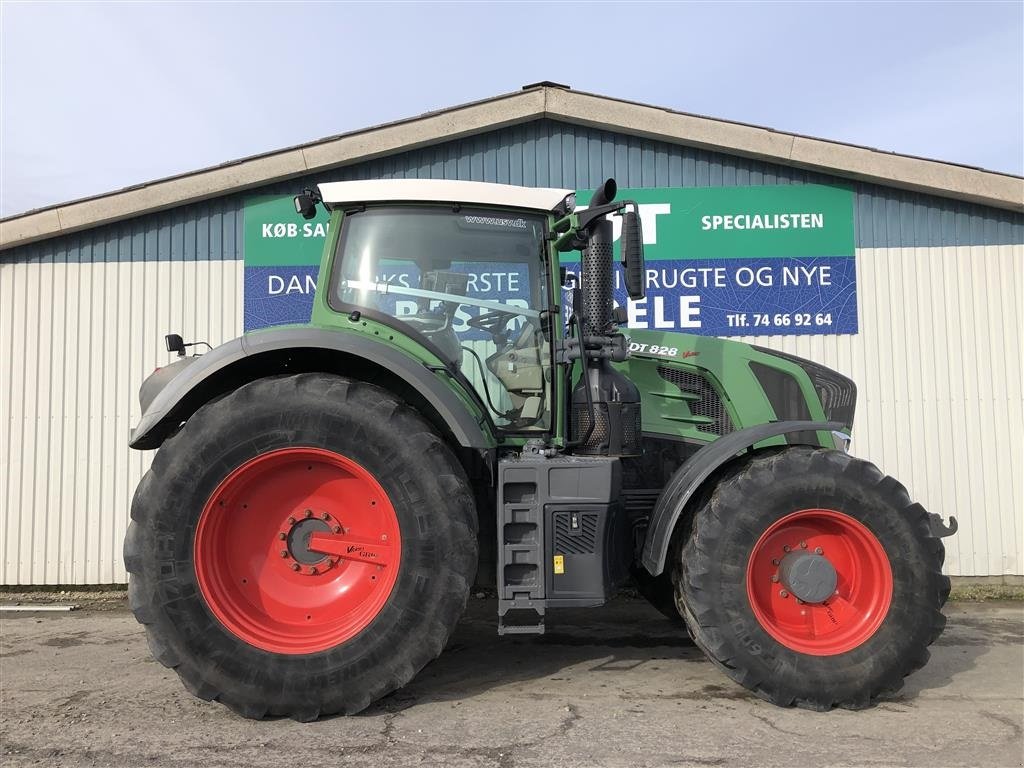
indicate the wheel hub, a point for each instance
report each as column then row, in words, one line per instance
column 808, row 575
column 298, row 541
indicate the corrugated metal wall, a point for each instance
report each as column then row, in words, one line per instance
column 938, row 357
column 79, row 331
column 938, row 369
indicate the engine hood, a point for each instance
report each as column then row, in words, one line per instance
column 703, row 387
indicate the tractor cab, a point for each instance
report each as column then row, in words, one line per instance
column 471, row 271
column 471, row 283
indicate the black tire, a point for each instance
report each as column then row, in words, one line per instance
column 659, row 591
column 436, row 516
column 711, row 586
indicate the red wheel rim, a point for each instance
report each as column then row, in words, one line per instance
column 863, row 582
column 297, row 550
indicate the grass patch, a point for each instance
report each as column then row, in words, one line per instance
column 980, row 593
column 62, row 588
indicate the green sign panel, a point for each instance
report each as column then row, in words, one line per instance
column 792, row 221
column 275, row 235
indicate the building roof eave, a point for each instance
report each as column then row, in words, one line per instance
column 537, row 102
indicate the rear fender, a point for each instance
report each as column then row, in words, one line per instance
column 690, row 477
column 294, row 350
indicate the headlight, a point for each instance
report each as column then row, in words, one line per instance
column 837, row 393
column 783, row 392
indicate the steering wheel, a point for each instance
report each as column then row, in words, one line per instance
column 492, row 322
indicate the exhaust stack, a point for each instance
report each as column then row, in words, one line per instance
column 605, row 404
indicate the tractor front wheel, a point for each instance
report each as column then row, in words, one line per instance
column 301, row 547
column 812, row 579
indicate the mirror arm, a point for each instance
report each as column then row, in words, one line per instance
column 570, row 241
column 570, row 233
column 562, row 225
column 590, row 215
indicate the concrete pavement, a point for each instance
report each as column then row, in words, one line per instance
column 617, row 686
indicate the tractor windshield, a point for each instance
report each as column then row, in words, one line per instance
column 471, row 282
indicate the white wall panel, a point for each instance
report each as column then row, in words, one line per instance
column 938, row 363
column 76, row 341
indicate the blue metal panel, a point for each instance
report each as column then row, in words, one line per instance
column 548, row 153
column 540, row 153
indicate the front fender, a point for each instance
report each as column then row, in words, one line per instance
column 688, row 479
column 239, row 361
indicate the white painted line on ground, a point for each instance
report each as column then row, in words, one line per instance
column 31, row 607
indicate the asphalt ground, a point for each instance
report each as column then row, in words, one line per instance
column 617, row 686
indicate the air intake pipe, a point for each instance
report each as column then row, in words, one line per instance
column 605, row 404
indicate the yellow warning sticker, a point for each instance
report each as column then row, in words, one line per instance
column 559, row 564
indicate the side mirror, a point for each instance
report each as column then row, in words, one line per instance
column 633, row 254
column 305, row 205
column 175, row 343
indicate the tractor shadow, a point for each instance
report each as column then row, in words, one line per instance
column 638, row 647
column 623, row 635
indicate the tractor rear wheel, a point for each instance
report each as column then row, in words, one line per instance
column 812, row 579
column 301, row 547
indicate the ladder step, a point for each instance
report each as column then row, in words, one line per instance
column 520, row 629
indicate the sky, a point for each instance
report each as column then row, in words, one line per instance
column 98, row 96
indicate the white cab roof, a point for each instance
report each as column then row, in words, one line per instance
column 437, row 190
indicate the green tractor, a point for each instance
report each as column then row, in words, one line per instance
column 462, row 409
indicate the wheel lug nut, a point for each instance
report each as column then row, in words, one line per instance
column 312, row 569
column 786, row 548
column 775, row 578
column 295, row 566
column 803, row 545
column 282, row 535
column 775, row 561
column 309, row 513
column 284, row 553
column 291, row 521
column 818, row 550
column 800, row 602
column 325, row 516
column 337, row 529
column 783, row 593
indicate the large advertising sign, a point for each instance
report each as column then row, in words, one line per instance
column 724, row 261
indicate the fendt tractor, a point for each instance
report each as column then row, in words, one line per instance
column 325, row 495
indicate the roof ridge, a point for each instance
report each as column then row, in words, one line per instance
column 538, row 101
